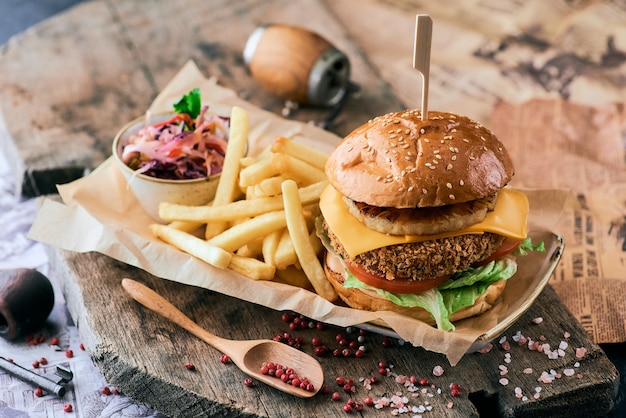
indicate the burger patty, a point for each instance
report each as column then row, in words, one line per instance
column 423, row 260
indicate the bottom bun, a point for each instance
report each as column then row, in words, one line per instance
column 369, row 300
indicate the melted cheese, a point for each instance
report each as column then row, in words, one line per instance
column 509, row 218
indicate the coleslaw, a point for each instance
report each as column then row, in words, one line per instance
column 189, row 145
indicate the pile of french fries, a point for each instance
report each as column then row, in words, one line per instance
column 261, row 221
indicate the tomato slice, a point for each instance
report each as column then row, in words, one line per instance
column 395, row 286
column 508, row 246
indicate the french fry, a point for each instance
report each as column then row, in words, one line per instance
column 285, row 253
column 270, row 243
column 240, row 234
column 265, row 188
column 252, row 268
column 185, row 226
column 256, row 172
column 236, row 210
column 296, row 169
column 293, row 276
column 252, row 249
column 192, row 245
column 296, row 224
column 299, row 150
column 227, row 189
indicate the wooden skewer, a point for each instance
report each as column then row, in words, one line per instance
column 421, row 55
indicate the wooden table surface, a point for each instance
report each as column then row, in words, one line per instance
column 69, row 84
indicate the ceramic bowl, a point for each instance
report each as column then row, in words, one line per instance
column 151, row 191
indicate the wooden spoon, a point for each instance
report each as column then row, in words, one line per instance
column 248, row 355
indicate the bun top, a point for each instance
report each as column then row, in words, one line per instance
column 398, row 160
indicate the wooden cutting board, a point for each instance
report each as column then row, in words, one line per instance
column 70, row 83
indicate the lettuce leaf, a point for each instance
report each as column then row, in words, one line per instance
column 190, row 103
column 527, row 245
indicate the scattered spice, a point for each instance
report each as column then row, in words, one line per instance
column 287, row 375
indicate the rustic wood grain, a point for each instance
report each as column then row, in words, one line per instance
column 144, row 355
column 71, row 82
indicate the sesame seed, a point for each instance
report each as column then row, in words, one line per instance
column 398, row 130
column 422, row 130
column 410, row 189
column 449, row 167
column 436, row 151
column 426, row 140
column 408, row 131
column 428, row 164
column 483, row 138
column 400, row 189
column 424, row 191
column 432, row 167
column 447, row 137
column 453, row 130
column 453, row 158
column 466, row 140
column 452, row 197
column 449, row 185
column 405, row 146
column 461, row 183
column 472, row 158
column 379, row 178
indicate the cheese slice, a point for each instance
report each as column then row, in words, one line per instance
column 509, row 218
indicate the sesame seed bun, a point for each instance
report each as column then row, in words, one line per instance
column 398, row 160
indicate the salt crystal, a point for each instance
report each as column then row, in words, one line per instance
column 504, row 381
column 485, row 348
column 528, row 370
column 566, row 334
column 563, row 345
column 450, row 405
column 577, row 364
column 568, row 372
column 437, row 371
column 518, row 390
column 537, row 320
column 580, row 352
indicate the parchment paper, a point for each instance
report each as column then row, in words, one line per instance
column 102, row 204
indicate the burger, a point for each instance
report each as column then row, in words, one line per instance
column 417, row 219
